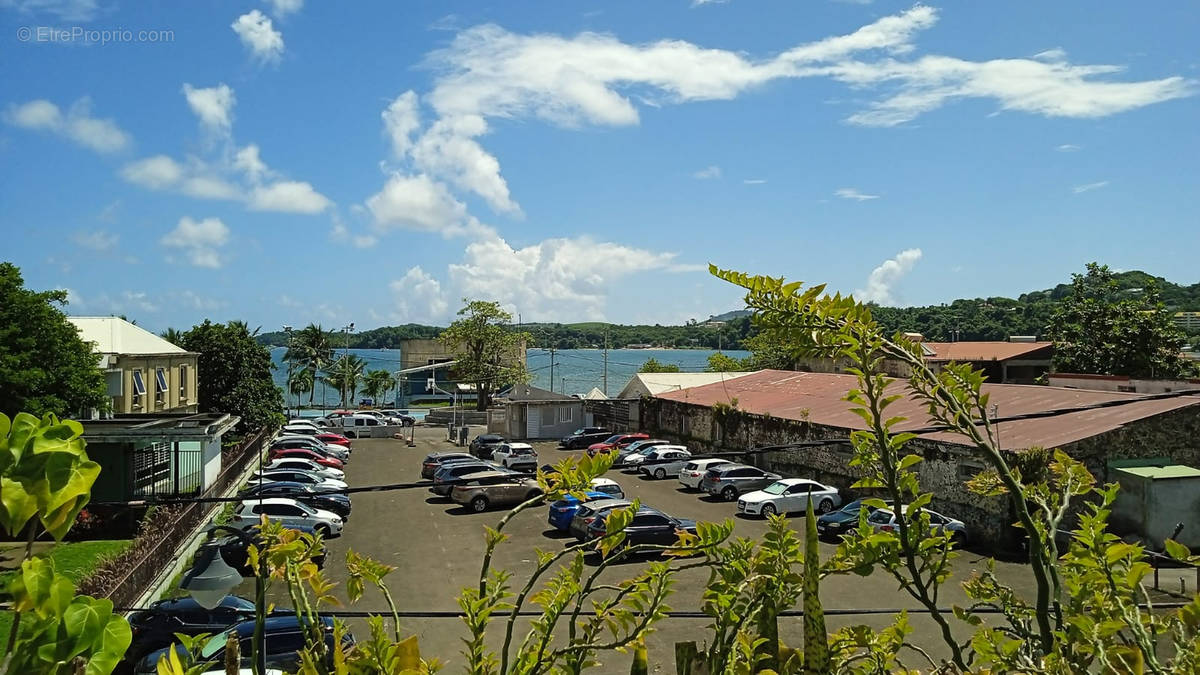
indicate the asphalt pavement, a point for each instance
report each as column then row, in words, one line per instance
column 437, row 548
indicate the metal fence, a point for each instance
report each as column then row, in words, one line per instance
column 148, row 564
column 161, row 470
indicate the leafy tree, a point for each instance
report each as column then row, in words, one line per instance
column 653, row 365
column 377, row 383
column 720, row 362
column 487, row 350
column 44, row 365
column 235, row 373
column 1104, row 330
column 171, row 335
column 345, row 375
column 301, row 382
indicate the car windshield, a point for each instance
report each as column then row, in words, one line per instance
column 646, row 451
column 853, row 506
column 776, row 488
column 614, row 438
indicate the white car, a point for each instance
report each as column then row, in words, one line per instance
column 314, row 480
column 693, row 471
column 306, row 465
column 290, row 513
column 512, row 454
column 789, row 495
column 609, row 487
column 664, row 460
column 300, row 422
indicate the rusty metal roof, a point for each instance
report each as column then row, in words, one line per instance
column 987, row 351
column 817, row 398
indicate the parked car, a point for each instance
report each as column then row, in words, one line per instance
column 586, row 513
column 318, row 482
column 353, row 425
column 884, row 520
column 614, row 442
column 155, row 627
column 638, row 446
column 562, row 511
column 663, row 461
column 390, row 420
column 789, row 495
column 289, row 512
column 283, row 635
column 731, row 480
column 434, row 460
column 305, row 453
column 693, row 471
column 235, row 550
column 339, row 504
column 445, row 477
column 488, row 489
column 484, row 445
column 517, row 456
column 331, row 438
column 609, row 487
column 311, row 443
column 404, row 417
column 582, row 438
column 302, row 422
column 649, row 526
column 305, row 465
column 845, row 519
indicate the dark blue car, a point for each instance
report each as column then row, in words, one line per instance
column 284, row 636
column 563, row 510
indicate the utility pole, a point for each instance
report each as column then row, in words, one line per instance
column 606, row 360
column 551, row 368
column 564, row 385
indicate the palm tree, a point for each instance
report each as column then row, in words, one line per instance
column 377, row 383
column 310, row 348
column 301, row 382
column 344, row 375
column 173, row 336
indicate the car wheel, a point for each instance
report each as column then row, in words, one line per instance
column 322, row 530
column 729, row 493
column 479, row 504
column 660, row 473
column 958, row 540
column 825, row 506
column 768, row 510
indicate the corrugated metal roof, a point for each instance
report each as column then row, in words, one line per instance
column 650, row 384
column 1157, row 472
column 985, row 351
column 817, row 398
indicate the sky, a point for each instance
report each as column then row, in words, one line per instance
column 286, row 162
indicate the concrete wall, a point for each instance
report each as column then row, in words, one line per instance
column 179, row 397
column 1120, row 383
column 550, row 426
column 1152, row 507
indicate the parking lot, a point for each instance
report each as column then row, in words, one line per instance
column 437, row 548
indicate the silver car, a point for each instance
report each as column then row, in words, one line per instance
column 884, row 520
column 664, row 460
column 588, row 511
column 731, row 480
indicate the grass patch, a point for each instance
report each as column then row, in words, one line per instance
column 74, row 560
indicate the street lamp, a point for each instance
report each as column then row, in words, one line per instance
column 211, row 579
column 288, row 329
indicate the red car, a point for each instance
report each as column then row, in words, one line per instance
column 330, row 437
column 614, row 442
column 301, row 453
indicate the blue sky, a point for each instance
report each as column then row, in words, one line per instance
column 290, row 161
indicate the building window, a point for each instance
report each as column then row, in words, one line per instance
column 182, row 383
column 139, row 387
column 160, row 385
column 566, row 414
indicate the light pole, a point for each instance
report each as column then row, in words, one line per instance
column 346, row 331
column 211, row 579
column 288, row 329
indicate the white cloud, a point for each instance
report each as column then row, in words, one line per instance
column 258, row 34
column 853, row 193
column 77, row 124
column 213, row 105
column 418, row 298
column 754, row 181
column 1068, row 147
column 706, row 173
column 449, row 150
column 210, row 187
column 447, row 22
column 288, row 196
column 138, row 300
column 66, row 10
column 247, row 161
column 157, row 173
column 201, row 240
column 400, row 120
column 697, row 3
column 884, row 278
column 282, row 8
column 417, row 203
column 97, row 240
column 1088, row 187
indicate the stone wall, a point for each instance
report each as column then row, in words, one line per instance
column 1174, row 437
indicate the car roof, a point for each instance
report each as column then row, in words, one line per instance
column 607, row 503
column 730, row 466
column 272, row 501
column 660, row 448
column 710, row 461
column 188, row 603
column 519, row 445
column 603, row 481
column 797, row 481
column 277, row 484
column 491, row 473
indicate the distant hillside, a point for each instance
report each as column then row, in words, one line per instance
column 731, row 315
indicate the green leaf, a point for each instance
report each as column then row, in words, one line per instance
column 85, row 619
column 18, row 506
column 1177, row 550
